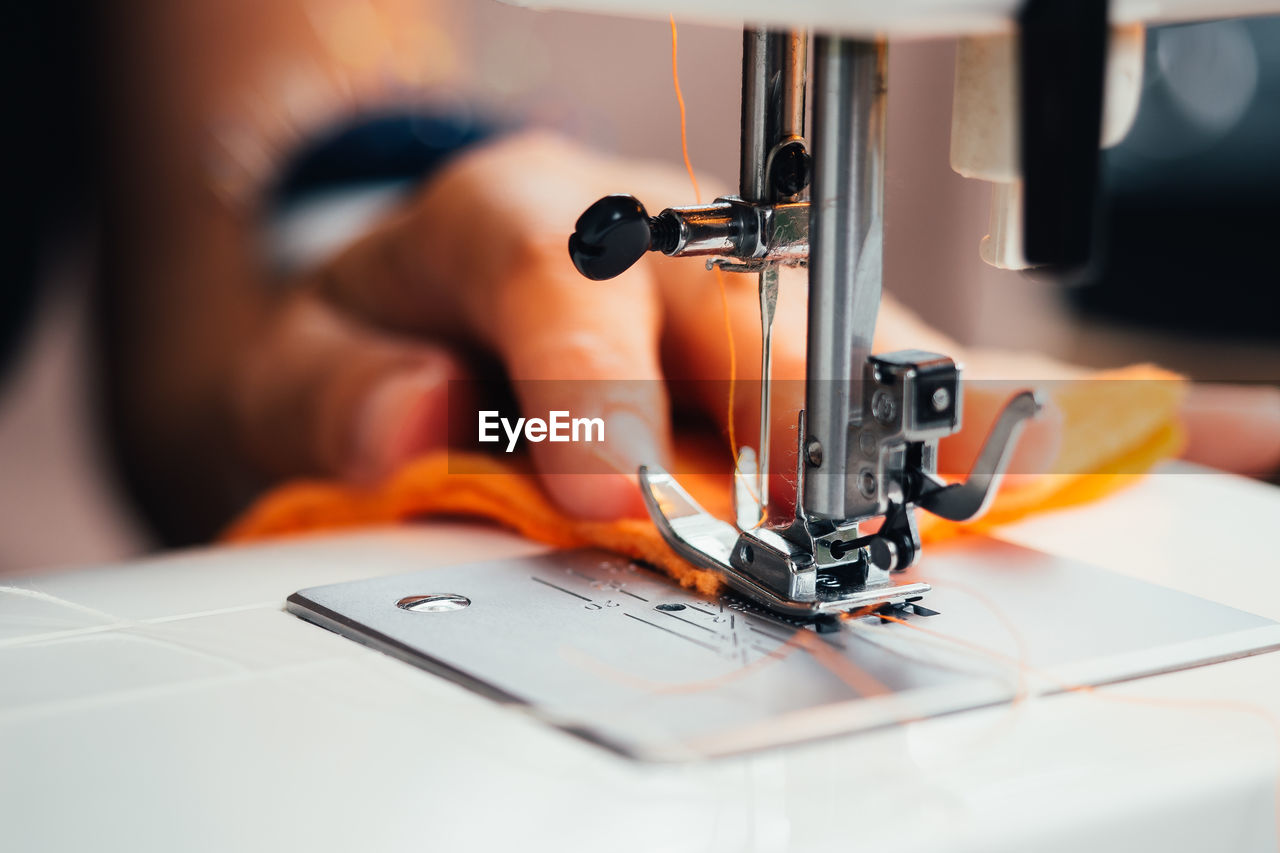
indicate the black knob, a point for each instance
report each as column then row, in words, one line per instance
column 892, row 553
column 609, row 237
column 884, row 553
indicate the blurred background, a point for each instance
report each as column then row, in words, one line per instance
column 1186, row 276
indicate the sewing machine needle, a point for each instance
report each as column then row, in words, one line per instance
column 746, row 482
column 768, row 304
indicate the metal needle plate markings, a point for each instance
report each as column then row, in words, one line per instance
column 617, row 654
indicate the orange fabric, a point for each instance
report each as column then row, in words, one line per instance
column 490, row 489
column 1113, row 433
column 1117, row 425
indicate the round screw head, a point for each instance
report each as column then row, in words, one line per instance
column 867, row 484
column 813, row 452
column 941, row 399
column 883, row 406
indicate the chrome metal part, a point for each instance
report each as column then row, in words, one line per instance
column 695, row 534
column 768, row 306
column 761, row 565
column 846, row 233
column 898, row 439
column 959, row 501
column 436, row 603
column 732, row 228
column 774, row 65
column 724, row 228
column 786, row 234
column 620, row 656
column 821, row 538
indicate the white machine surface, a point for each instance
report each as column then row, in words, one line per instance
column 172, row 704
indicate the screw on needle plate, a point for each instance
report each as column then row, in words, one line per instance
column 437, row 603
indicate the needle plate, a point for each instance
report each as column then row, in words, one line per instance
column 615, row 653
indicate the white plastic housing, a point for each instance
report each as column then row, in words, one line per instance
column 985, row 121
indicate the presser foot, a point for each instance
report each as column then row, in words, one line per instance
column 760, row 564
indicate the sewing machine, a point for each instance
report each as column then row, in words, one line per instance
column 172, row 703
column 617, row 654
column 869, row 432
column 1029, row 120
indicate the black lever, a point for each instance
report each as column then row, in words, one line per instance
column 610, row 236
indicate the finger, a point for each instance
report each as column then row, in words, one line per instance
column 480, row 257
column 321, row 394
column 591, row 351
column 437, row 268
column 1233, row 427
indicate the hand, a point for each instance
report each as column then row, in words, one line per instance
column 352, row 375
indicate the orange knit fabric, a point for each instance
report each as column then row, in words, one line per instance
column 1113, row 432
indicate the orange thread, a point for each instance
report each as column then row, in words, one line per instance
column 697, row 196
column 684, row 133
column 1012, row 629
column 858, row 679
column 1251, row 709
column 965, row 644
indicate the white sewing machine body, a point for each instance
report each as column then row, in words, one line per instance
column 173, row 704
